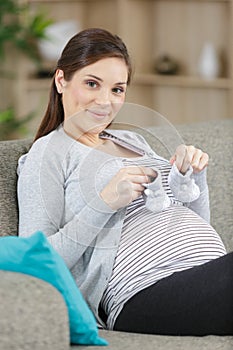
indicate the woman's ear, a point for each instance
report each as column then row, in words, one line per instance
column 60, row 81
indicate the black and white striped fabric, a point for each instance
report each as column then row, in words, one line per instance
column 154, row 246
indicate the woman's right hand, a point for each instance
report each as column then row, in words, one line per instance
column 126, row 186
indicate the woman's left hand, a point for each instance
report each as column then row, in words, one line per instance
column 186, row 156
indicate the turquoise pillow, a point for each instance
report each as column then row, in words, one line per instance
column 35, row 256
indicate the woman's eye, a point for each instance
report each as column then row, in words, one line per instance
column 118, row 90
column 92, row 84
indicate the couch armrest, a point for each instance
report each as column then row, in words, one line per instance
column 33, row 314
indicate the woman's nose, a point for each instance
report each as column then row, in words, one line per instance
column 103, row 97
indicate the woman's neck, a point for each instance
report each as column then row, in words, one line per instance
column 88, row 139
column 94, row 140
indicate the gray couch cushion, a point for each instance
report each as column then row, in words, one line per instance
column 10, row 151
column 33, row 314
column 132, row 341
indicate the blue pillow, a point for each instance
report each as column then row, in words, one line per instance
column 35, row 256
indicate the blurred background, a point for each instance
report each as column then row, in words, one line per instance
column 182, row 52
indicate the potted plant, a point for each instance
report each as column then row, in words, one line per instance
column 21, row 30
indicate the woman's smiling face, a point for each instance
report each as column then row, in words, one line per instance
column 94, row 95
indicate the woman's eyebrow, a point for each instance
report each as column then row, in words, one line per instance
column 99, row 79
column 94, row 76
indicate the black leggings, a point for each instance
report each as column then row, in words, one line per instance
column 198, row 301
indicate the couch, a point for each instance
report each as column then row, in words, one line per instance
column 33, row 314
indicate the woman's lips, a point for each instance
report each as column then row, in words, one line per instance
column 100, row 115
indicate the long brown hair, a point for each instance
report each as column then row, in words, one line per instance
column 83, row 49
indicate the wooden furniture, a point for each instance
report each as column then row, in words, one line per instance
column 150, row 29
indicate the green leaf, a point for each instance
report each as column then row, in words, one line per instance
column 38, row 25
column 10, row 124
column 22, row 34
column 6, row 116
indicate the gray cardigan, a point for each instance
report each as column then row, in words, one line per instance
column 58, row 185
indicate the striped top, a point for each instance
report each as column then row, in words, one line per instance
column 155, row 245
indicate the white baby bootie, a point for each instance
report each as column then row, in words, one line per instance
column 183, row 187
column 154, row 195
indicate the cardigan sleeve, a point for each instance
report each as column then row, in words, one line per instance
column 201, row 205
column 41, row 200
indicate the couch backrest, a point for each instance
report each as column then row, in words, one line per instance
column 216, row 138
column 10, row 151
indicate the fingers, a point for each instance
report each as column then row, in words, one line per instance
column 139, row 175
column 141, row 170
column 181, row 159
column 190, row 152
column 126, row 186
column 134, row 191
column 201, row 162
column 137, row 188
column 186, row 156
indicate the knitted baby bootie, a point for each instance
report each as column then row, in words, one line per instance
column 154, row 195
column 183, row 187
